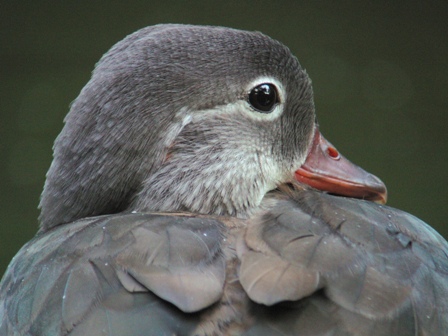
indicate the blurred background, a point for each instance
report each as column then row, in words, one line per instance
column 379, row 71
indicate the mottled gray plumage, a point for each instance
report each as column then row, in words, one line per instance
column 160, row 92
column 159, row 215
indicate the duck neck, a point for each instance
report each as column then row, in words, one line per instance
column 228, row 187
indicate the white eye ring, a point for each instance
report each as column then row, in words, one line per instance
column 263, row 97
column 277, row 108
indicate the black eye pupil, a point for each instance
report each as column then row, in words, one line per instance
column 263, row 97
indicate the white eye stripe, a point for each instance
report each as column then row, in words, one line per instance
column 242, row 105
column 238, row 107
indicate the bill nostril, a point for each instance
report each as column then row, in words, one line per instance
column 333, row 153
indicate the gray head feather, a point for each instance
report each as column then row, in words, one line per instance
column 165, row 124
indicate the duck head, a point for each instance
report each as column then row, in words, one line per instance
column 201, row 119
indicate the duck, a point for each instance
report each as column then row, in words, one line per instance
column 192, row 193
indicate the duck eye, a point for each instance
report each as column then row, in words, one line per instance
column 263, row 97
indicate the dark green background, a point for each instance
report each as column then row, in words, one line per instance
column 379, row 71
